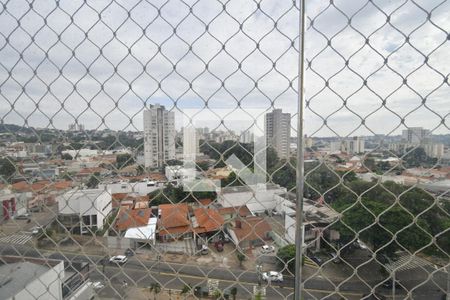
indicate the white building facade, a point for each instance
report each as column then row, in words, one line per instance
column 159, row 136
column 84, row 210
column 190, row 143
column 415, row 135
column 278, row 131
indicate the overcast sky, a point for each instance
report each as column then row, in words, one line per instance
column 100, row 63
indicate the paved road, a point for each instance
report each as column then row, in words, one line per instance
column 175, row 275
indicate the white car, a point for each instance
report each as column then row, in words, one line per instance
column 118, row 259
column 362, row 245
column 35, row 230
column 98, row 285
column 267, row 249
column 272, row 276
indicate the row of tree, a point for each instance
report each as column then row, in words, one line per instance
column 386, row 215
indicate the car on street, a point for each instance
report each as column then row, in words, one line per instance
column 316, row 259
column 272, row 276
column 361, row 245
column 267, row 249
column 204, row 250
column 25, row 216
column 388, row 284
column 219, row 246
column 118, row 259
column 35, row 230
column 335, row 258
column 97, row 285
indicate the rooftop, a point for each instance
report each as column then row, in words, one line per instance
column 174, row 215
column 208, row 220
column 15, row 276
column 251, row 228
column 247, row 188
column 129, row 218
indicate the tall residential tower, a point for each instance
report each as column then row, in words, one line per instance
column 159, row 136
column 278, row 131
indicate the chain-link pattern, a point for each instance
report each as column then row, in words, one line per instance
column 108, row 205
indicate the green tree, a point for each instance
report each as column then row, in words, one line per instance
column 186, row 290
column 417, row 157
column 93, row 180
column 286, row 257
column 155, row 288
column 217, row 294
column 174, row 162
column 140, row 169
column 123, row 160
column 66, row 156
column 202, row 166
column 241, row 257
column 232, row 180
column 234, row 292
column 258, row 296
column 7, row 169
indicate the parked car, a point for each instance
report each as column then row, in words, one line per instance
column 25, row 216
column 388, row 284
column 226, row 238
column 272, row 276
column 316, row 259
column 118, row 259
column 219, row 246
column 97, row 285
column 361, row 244
column 335, row 258
column 35, row 230
column 267, row 249
column 129, row 252
column 204, row 250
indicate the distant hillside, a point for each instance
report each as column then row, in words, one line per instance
column 14, row 128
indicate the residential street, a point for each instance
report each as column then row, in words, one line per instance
column 174, row 276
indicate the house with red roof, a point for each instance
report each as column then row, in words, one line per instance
column 174, row 222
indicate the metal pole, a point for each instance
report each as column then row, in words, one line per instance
column 300, row 159
column 448, row 282
column 393, row 285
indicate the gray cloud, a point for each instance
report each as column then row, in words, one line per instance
column 104, row 65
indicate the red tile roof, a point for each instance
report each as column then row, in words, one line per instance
column 128, row 218
column 204, row 202
column 175, row 230
column 41, row 186
column 251, row 228
column 121, row 199
column 208, row 220
column 174, row 215
column 243, row 210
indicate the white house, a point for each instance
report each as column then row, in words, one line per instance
column 180, row 173
column 142, row 188
column 257, row 198
column 84, row 210
column 316, row 220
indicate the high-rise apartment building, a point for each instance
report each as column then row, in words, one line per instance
column 415, row 135
column 278, row 131
column 190, row 143
column 352, row 145
column 159, row 136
